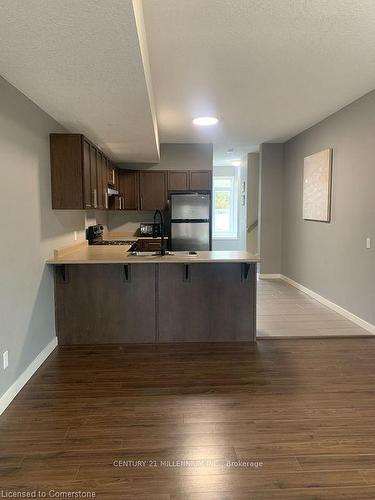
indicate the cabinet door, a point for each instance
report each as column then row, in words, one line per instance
column 109, row 172
column 114, row 312
column 99, row 177
column 178, row 180
column 129, row 188
column 87, row 195
column 105, row 181
column 200, row 179
column 153, row 189
column 93, row 174
column 113, row 176
column 116, row 178
column 197, row 298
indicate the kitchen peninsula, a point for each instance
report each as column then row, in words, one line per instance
column 106, row 295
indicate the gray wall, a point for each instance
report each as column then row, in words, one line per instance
column 252, row 201
column 331, row 259
column 172, row 157
column 270, row 207
column 30, row 230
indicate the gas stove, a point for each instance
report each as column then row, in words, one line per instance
column 94, row 236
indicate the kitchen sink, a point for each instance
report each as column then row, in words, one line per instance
column 157, row 254
column 148, row 254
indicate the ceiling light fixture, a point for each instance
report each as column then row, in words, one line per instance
column 205, row 121
column 236, row 163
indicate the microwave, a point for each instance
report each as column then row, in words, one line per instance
column 150, row 229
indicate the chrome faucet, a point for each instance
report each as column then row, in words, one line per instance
column 162, row 243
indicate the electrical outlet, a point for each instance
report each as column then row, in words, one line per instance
column 368, row 243
column 75, row 236
column 5, row 360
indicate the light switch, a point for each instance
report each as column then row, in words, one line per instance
column 368, row 242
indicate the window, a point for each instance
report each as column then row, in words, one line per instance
column 224, row 207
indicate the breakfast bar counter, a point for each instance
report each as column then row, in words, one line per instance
column 86, row 254
column 106, row 295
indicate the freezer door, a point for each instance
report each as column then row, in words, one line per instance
column 190, row 206
column 190, row 236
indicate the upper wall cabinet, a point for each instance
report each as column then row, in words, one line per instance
column 184, row 180
column 129, row 188
column 200, row 179
column 178, row 180
column 80, row 173
column 153, row 189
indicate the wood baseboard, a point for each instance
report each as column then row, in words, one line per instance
column 15, row 388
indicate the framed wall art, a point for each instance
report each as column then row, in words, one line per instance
column 317, row 186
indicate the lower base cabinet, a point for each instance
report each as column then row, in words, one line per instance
column 152, row 303
column 206, row 303
column 105, row 304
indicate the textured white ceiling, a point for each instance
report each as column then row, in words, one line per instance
column 84, row 63
column 266, row 68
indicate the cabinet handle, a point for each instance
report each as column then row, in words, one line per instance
column 141, row 202
column 113, row 176
column 106, row 198
column 95, row 199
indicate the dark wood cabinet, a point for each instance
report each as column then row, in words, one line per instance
column 200, row 179
column 178, row 180
column 67, row 169
column 199, row 299
column 113, row 176
column 93, row 177
column 107, row 314
column 155, row 303
column 153, row 189
column 81, row 174
column 87, row 198
column 105, row 162
column 129, row 188
column 108, row 171
column 100, row 179
column 185, row 180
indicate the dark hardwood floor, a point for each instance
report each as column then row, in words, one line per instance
column 302, row 409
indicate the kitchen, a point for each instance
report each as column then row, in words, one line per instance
column 158, row 275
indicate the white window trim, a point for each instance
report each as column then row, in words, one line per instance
column 233, row 235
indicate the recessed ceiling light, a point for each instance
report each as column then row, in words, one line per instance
column 236, row 163
column 205, row 121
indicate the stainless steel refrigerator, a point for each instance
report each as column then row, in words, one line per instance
column 190, row 221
